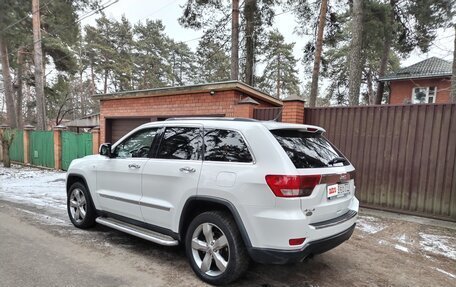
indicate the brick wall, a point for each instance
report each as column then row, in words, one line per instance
column 200, row 104
column 401, row 91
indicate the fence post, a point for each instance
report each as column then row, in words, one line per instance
column 2, row 128
column 95, row 139
column 293, row 110
column 244, row 108
column 58, row 146
column 26, row 138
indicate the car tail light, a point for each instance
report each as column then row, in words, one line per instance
column 292, row 185
column 296, row 241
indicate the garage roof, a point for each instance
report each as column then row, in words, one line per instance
column 192, row 89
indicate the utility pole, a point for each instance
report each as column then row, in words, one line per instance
column 38, row 59
column 235, row 40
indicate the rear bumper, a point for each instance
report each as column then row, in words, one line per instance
column 274, row 256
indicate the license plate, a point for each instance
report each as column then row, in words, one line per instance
column 338, row 190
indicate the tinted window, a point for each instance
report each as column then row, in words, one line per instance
column 181, row 143
column 225, row 145
column 137, row 145
column 307, row 150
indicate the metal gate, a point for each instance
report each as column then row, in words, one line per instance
column 42, row 148
column 16, row 150
column 74, row 146
column 405, row 156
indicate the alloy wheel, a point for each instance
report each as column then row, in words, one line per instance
column 78, row 205
column 210, row 249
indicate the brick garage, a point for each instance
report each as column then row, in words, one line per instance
column 121, row 112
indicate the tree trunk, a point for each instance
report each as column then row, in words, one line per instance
column 5, row 156
column 7, row 85
column 19, row 86
column 249, row 15
column 385, row 55
column 38, row 59
column 105, row 87
column 370, row 89
column 355, row 56
column 318, row 50
column 235, row 41
column 453, row 77
column 6, row 138
column 278, row 78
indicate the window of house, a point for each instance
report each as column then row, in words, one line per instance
column 424, row 95
column 226, row 146
column 137, row 145
column 181, row 143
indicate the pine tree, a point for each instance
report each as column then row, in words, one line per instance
column 280, row 76
column 212, row 63
column 153, row 56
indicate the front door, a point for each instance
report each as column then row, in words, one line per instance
column 171, row 176
column 119, row 178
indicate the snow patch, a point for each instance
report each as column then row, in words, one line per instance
column 439, row 244
column 401, row 248
column 445, row 272
column 33, row 186
column 403, row 239
column 369, row 224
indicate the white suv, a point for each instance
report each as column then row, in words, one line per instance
column 230, row 190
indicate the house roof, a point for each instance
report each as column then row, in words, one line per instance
column 430, row 68
column 85, row 122
column 193, row 89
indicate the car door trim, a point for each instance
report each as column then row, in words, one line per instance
column 119, row 198
column 151, row 205
column 140, row 203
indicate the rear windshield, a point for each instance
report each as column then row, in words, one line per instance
column 308, row 150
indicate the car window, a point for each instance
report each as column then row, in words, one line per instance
column 225, row 145
column 308, row 150
column 181, row 143
column 137, row 145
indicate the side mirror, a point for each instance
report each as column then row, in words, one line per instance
column 105, row 149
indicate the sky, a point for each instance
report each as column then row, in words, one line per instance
column 170, row 10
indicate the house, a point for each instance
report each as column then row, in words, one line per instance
column 428, row 81
column 121, row 112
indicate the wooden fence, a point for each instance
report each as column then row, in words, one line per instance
column 404, row 155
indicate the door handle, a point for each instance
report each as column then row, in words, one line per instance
column 187, row 169
column 134, row 166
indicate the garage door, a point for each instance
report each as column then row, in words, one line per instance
column 117, row 128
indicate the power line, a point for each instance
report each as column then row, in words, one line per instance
column 85, row 16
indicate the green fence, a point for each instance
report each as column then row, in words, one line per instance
column 42, row 148
column 75, row 146
column 16, row 150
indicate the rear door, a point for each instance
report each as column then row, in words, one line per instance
column 313, row 154
column 171, row 176
column 119, row 178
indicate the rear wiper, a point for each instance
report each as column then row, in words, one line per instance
column 337, row 160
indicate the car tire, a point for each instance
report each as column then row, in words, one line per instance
column 224, row 248
column 80, row 207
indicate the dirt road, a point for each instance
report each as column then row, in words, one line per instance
column 37, row 249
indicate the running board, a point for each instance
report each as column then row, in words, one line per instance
column 138, row 231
